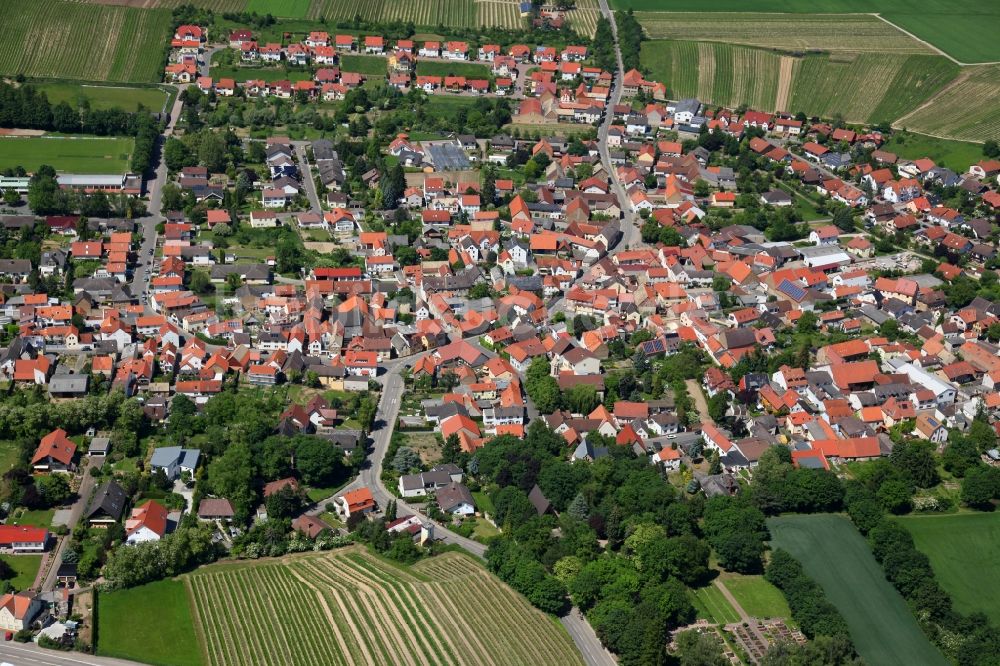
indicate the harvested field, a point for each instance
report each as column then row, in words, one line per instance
column 786, row 70
column 59, row 39
column 349, row 607
column 794, row 32
column 969, row 110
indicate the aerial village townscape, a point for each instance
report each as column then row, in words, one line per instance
column 499, row 332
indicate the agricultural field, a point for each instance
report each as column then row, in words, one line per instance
column 964, row 551
column 964, row 29
column 956, row 155
column 583, row 18
column 505, row 14
column 349, row 607
column 798, row 32
column 214, row 5
column 60, row 39
column 837, row 557
column 282, row 8
column 716, row 73
column 67, row 154
column 151, row 623
column 867, row 86
column 470, row 70
column 103, row 96
column 453, row 13
column 969, row 109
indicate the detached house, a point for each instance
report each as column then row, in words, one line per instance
column 54, row 453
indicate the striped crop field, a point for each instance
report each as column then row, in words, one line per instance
column 795, row 32
column 500, row 14
column 717, row 73
column 867, row 86
column 452, row 13
column 214, row 5
column 583, row 18
column 86, row 41
column 967, row 110
column 349, row 607
column 860, row 87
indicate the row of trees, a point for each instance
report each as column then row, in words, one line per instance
column 815, row 615
column 25, row 107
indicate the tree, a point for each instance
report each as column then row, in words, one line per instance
column 320, row 463
column 452, row 449
column 917, row 461
column 285, row 503
column 579, row 508
column 960, row 454
column 405, row 460
column 392, row 186
column 980, row 487
column 53, row 489
column 894, row 495
column 991, row 148
column 843, row 219
column 581, row 399
column 200, row 283
column 212, row 151
column 231, row 475
column 696, row 648
column 11, row 197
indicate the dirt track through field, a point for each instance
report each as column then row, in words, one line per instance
column 785, row 71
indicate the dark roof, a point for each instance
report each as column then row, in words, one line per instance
column 109, row 500
column 539, row 501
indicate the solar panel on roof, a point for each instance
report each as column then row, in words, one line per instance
column 792, row 290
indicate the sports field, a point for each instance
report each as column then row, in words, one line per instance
column 349, row 607
column 86, row 41
column 151, row 623
column 964, row 29
column 81, row 155
column 837, row 557
column 964, row 550
column 103, row 96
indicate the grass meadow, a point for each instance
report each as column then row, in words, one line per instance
column 964, row 550
column 150, row 623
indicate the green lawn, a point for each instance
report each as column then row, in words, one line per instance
column 319, row 494
column 103, row 96
column 712, row 606
column 25, row 568
column 39, row 518
column 9, row 455
column 956, row 155
column 964, row 550
column 757, row 597
column 151, row 623
column 483, row 502
column 263, row 73
column 467, row 69
column 283, row 8
column 837, row 557
column 367, row 65
column 79, row 155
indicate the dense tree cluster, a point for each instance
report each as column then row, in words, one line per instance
column 177, row 552
column 810, row 609
column 24, row 107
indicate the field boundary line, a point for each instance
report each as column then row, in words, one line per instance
column 922, row 41
column 962, row 77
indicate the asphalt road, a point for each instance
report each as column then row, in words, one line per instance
column 29, row 654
